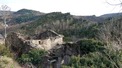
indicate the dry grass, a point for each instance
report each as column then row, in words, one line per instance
column 6, row 62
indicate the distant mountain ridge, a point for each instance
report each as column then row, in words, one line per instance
column 28, row 11
column 111, row 15
column 35, row 19
column 92, row 18
column 23, row 15
column 26, row 15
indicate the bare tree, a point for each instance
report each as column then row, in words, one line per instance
column 5, row 11
column 118, row 4
column 111, row 33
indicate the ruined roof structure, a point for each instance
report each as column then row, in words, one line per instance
column 48, row 34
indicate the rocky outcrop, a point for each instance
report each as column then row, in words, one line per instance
column 20, row 44
column 16, row 44
column 61, row 54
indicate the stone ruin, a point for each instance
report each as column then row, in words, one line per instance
column 46, row 40
column 58, row 52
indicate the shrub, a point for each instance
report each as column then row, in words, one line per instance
column 94, row 54
column 34, row 56
column 90, row 45
column 5, row 62
column 108, row 59
column 5, row 51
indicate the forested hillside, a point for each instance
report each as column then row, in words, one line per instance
column 89, row 41
column 65, row 24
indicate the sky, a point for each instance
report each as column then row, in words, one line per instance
column 75, row 7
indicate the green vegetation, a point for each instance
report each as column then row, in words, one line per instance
column 100, row 46
column 95, row 54
column 7, row 62
column 6, row 56
column 64, row 24
column 90, row 45
column 5, row 51
column 34, row 56
column 108, row 59
column 25, row 18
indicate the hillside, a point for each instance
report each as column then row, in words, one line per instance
column 32, row 22
column 111, row 15
column 27, row 11
column 63, row 23
column 26, row 15
column 88, row 41
column 92, row 18
column 21, row 16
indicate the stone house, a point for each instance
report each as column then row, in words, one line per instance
column 45, row 40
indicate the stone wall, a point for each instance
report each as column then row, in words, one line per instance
column 41, row 44
column 46, row 44
column 57, row 40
